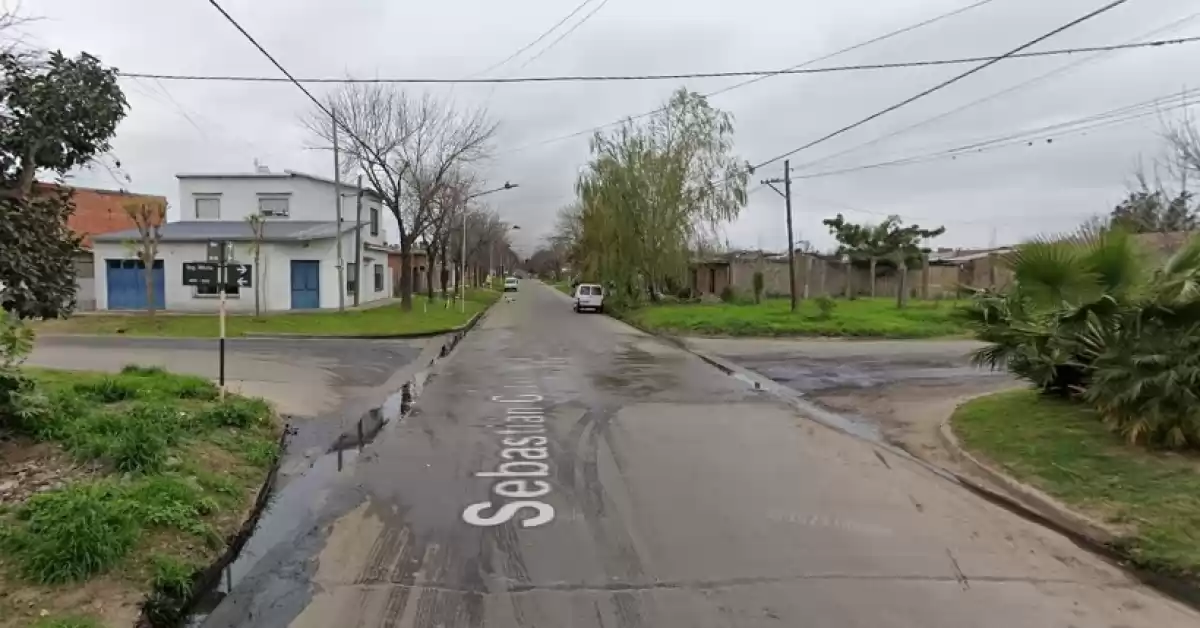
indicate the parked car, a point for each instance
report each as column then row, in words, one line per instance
column 589, row 296
column 511, row 284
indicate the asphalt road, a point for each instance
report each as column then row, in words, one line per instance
column 564, row 470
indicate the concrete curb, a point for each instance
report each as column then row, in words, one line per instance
column 207, row 579
column 420, row 334
column 1028, row 496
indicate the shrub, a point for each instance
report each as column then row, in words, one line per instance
column 72, row 534
column 758, row 286
column 241, row 412
column 728, row 295
column 171, row 586
column 826, row 305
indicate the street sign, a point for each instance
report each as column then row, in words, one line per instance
column 201, row 274
column 220, row 251
column 239, row 275
column 209, row 274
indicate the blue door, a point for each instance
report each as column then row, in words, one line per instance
column 306, row 284
column 127, row 284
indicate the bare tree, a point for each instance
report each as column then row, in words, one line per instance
column 409, row 149
column 258, row 227
column 148, row 217
column 449, row 205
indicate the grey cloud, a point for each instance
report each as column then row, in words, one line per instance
column 1007, row 194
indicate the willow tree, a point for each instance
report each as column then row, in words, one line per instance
column 652, row 191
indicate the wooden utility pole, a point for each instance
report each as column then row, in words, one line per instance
column 337, row 193
column 358, row 271
column 791, row 242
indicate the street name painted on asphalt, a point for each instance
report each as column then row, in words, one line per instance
column 524, row 460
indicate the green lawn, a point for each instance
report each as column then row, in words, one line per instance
column 877, row 318
column 425, row 317
column 1063, row 449
column 154, row 473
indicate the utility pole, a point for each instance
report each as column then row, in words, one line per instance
column 462, row 261
column 787, row 197
column 337, row 193
column 358, row 273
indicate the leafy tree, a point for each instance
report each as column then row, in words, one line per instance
column 1146, row 211
column 58, row 113
column 651, row 192
column 148, row 218
column 889, row 240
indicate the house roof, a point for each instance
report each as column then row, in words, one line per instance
column 286, row 174
column 235, row 230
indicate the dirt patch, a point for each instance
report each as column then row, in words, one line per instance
column 909, row 413
column 27, row 468
column 111, row 600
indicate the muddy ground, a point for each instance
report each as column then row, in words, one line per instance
column 904, row 388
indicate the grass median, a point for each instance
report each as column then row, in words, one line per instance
column 426, row 317
column 1063, row 449
column 116, row 488
column 867, row 318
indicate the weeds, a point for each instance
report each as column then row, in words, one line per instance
column 71, row 534
column 108, row 389
column 138, row 369
column 171, row 588
column 238, row 412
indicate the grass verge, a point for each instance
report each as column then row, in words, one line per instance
column 1063, row 449
column 172, row 473
column 868, row 318
column 426, row 317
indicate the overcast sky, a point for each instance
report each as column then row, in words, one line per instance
column 1005, row 195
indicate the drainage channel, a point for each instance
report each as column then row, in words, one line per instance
column 296, row 495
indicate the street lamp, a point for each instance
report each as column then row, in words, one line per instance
column 462, row 286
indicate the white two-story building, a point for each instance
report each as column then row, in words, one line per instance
column 298, row 266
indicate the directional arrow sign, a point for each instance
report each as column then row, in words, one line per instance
column 240, row 274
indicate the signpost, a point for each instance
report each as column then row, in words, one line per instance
column 221, row 271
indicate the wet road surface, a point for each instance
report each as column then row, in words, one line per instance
column 564, row 470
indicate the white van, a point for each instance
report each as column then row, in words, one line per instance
column 589, row 296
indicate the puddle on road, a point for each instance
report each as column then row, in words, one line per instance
column 298, row 495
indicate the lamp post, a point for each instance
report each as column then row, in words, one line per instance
column 462, row 287
column 492, row 249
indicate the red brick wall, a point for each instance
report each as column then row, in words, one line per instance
column 102, row 211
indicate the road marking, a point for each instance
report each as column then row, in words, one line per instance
column 524, row 458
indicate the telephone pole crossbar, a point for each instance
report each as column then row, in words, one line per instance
column 786, row 180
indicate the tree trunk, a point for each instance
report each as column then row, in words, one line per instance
column 148, row 275
column 872, row 271
column 406, row 291
column 430, row 258
column 257, row 280
column 902, row 292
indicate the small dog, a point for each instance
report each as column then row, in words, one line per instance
column 508, row 299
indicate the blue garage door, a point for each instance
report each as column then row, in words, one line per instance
column 306, row 284
column 127, row 285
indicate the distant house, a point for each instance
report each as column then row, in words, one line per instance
column 299, row 261
column 96, row 212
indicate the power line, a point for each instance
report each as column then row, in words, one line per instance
column 956, row 78
column 798, row 66
column 297, row 83
column 1101, row 51
column 564, row 35
column 535, row 41
column 1091, row 122
column 664, row 77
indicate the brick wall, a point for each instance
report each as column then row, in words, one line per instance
column 102, row 211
